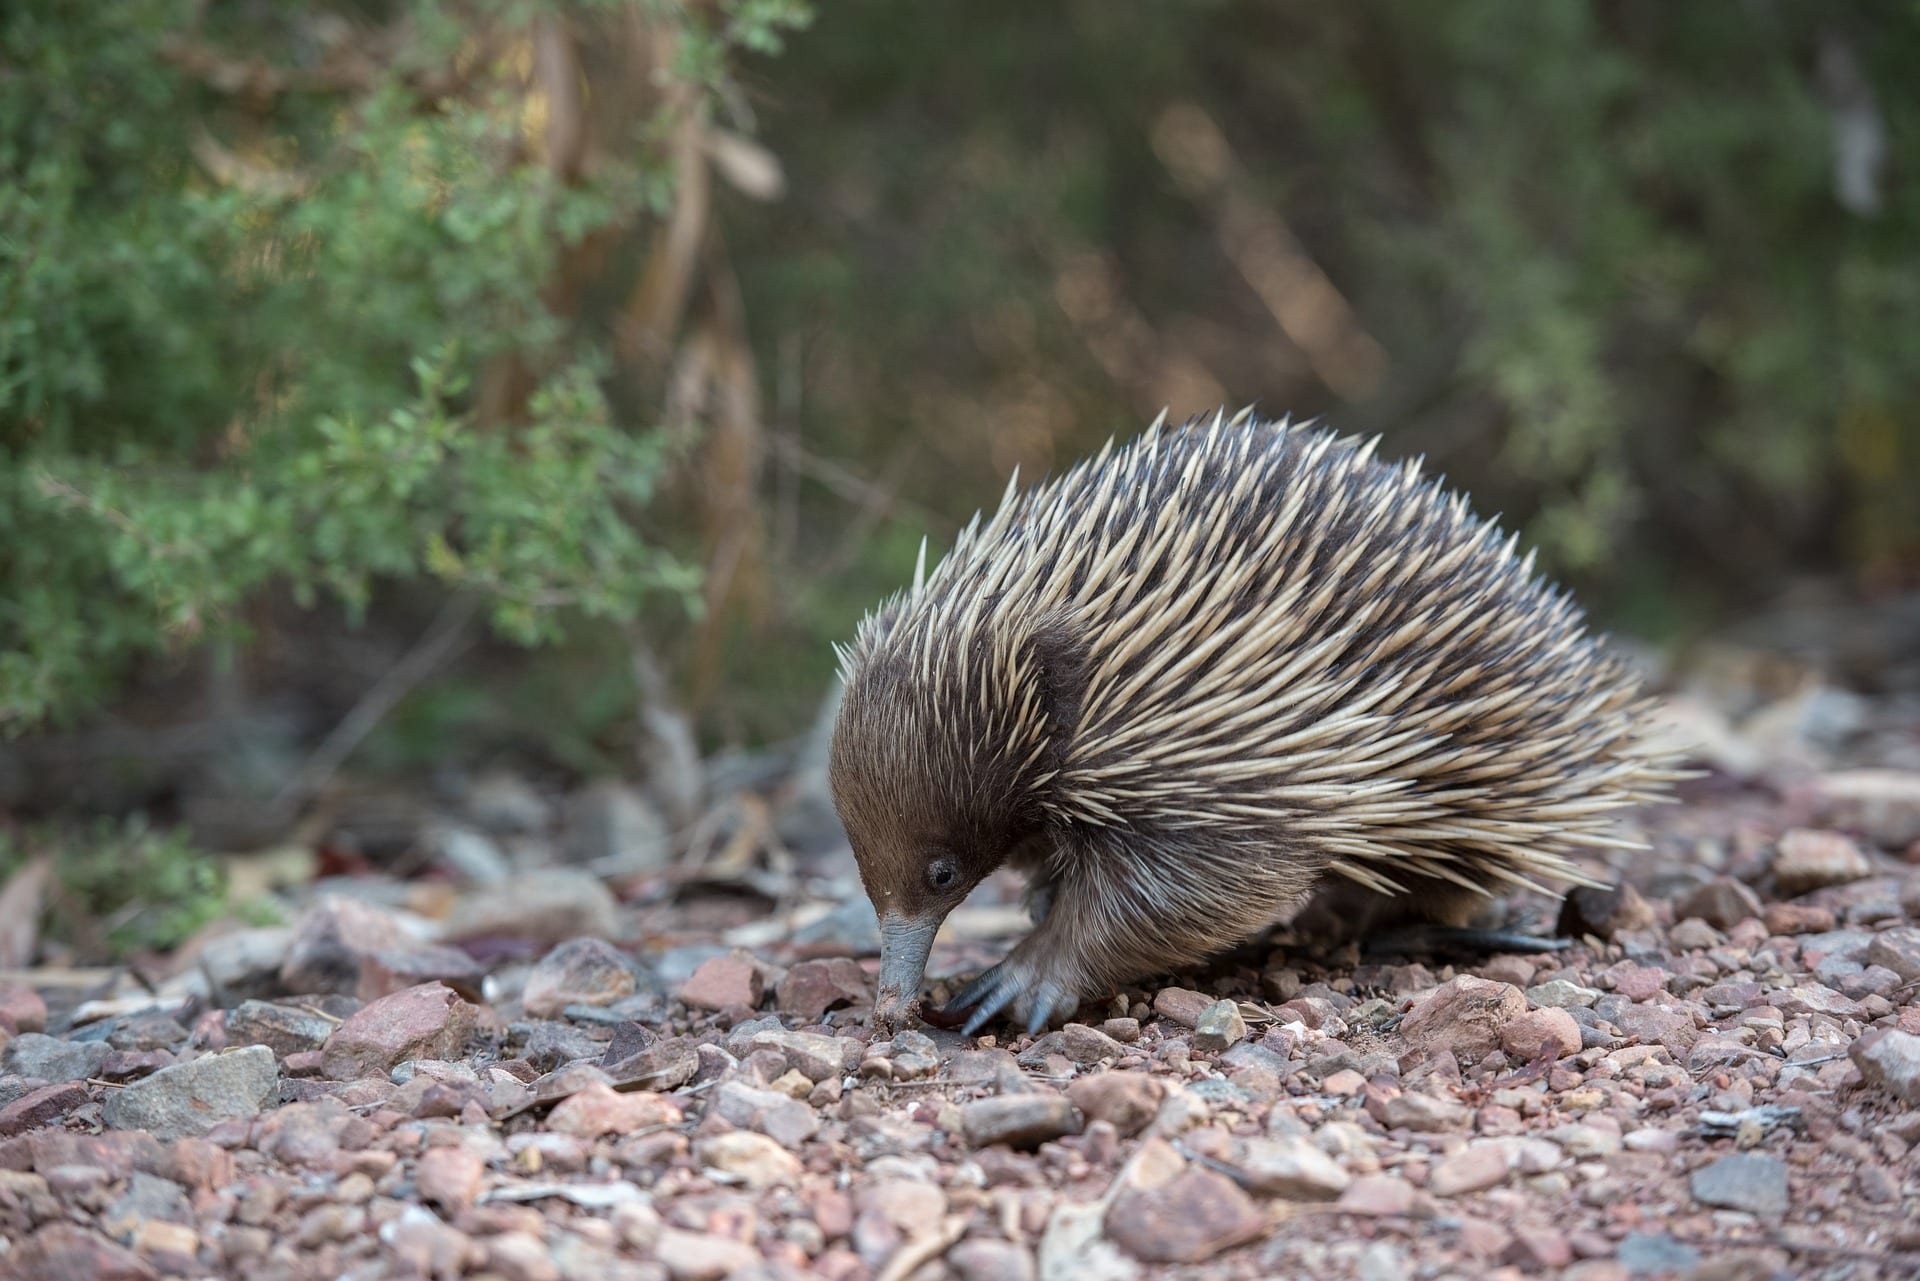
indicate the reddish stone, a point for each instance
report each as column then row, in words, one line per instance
column 1541, row 1031
column 725, row 982
column 811, row 988
column 425, row 1022
column 65, row 1252
column 21, row 1009
column 42, row 1107
column 1182, row 1005
column 450, row 1177
column 1465, row 1015
column 1188, row 1219
column 598, row 1109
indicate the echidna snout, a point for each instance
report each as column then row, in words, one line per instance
column 1194, row 675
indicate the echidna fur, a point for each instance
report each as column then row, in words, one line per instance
column 1196, row 672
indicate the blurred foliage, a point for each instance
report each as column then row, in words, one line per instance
column 281, row 305
column 122, row 888
column 459, row 293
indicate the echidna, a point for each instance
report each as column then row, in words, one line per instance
column 1190, row 676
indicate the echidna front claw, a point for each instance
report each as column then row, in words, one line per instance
column 1035, row 1000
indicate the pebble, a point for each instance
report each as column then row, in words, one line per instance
column 1423, row 1113
column 985, row 1259
column 1182, row 1005
column 1561, row 994
column 43, row 1106
column 1019, row 1120
column 284, row 1029
column 754, row 1159
column 67, row 1252
column 1219, row 1026
column 191, row 1098
column 598, row 1109
column 1890, row 1061
column 785, row 1120
column 1290, row 1167
column 583, row 971
column 1465, row 1015
column 21, row 1010
column 1809, row 860
column 1722, row 902
column 425, row 1022
column 1897, row 950
column 1603, row 913
column 1378, row 1195
column 1125, row 1100
column 1541, row 1032
column 814, row 1056
column 48, row 1058
column 1189, row 1218
column 702, row 1256
column 1475, row 1169
column 450, row 1177
column 725, row 982
column 1743, row 1181
column 810, row 988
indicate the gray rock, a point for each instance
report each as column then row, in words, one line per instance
column 814, row 1056
column 147, row 1197
column 1890, row 1060
column 1559, row 994
column 1219, row 1027
column 51, row 1059
column 1655, row 1252
column 786, row 1121
column 1744, row 1181
column 188, row 1099
column 1289, row 1167
column 284, row 1029
column 1018, row 1120
column 582, row 971
column 1897, row 950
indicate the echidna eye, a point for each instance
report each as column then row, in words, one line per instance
column 941, row 874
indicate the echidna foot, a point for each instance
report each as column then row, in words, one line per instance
column 1036, row 999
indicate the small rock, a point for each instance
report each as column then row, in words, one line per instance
column 48, row 1058
column 191, row 1098
column 1603, row 913
column 450, row 1177
column 1641, row 1252
column 65, row 1252
column 1182, row 1005
column 1722, row 902
column 1465, row 1015
column 1744, row 1181
column 912, row 1055
column 1897, row 950
column 21, row 1009
column 1541, row 1250
column 1475, row 1169
column 1380, row 1195
column 815, row 1057
column 1882, row 805
column 1289, row 1167
column 1638, row 982
column 1811, row 860
column 1798, row 918
column 1541, row 1032
column 425, row 1022
column 811, row 988
column 331, row 941
column 1187, row 1219
column 245, row 964
column 1017, row 1120
column 284, row 1029
column 171, row 1246
column 984, row 1259
column 1219, row 1026
column 1695, row 935
column 1078, row 1043
column 43, row 1106
column 598, row 1109
column 785, row 1120
column 583, row 971
column 1125, row 1100
column 1890, row 1061
column 1423, row 1113
column 754, row 1159
column 1560, row 994
column 725, row 982
column 702, row 1256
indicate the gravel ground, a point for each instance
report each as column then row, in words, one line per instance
column 559, row 1073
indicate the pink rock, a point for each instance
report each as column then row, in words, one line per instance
column 449, row 1177
column 425, row 1022
column 1465, row 1015
column 1188, row 1219
column 1541, row 1031
column 1540, row 1249
column 1638, row 982
column 811, row 988
column 1474, row 1170
column 1379, row 1195
column 1125, row 1100
column 725, row 982
column 599, row 1109
column 1182, row 1005
column 21, row 1009
column 64, row 1252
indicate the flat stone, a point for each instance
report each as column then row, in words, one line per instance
column 1125, row 1100
column 1743, row 1181
column 785, row 1120
column 425, row 1022
column 599, row 1109
column 1182, row 1005
column 1019, row 1120
column 1219, row 1026
column 1798, row 918
column 753, row 1159
column 1694, row 935
column 1658, row 1025
column 1541, row 1032
column 1465, row 1015
column 1290, row 1167
column 191, row 1098
column 48, row 1058
column 1078, row 1043
column 43, row 1106
column 1379, row 1195
column 1897, row 950
column 1560, row 994
column 284, row 1029
column 1424, row 1113
column 1811, row 860
column 450, row 1177
column 725, row 982
column 245, row 963
column 814, row 1056
column 1475, row 1169
column 1890, row 1061
column 583, row 971
column 1722, row 902
column 1188, row 1219
column 811, row 988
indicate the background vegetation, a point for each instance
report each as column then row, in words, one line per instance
column 658, row 331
